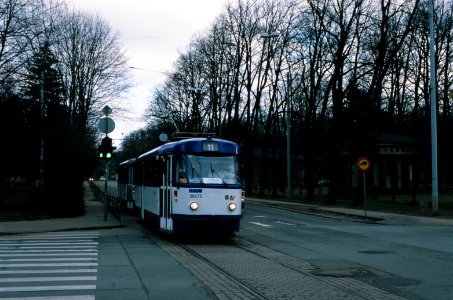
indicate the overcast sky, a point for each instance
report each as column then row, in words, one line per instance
column 153, row 33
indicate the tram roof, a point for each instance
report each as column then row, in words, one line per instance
column 194, row 145
column 127, row 162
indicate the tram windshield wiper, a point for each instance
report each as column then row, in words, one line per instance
column 213, row 171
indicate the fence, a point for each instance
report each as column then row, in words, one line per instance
column 114, row 204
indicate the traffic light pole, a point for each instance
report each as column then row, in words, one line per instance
column 106, row 176
column 106, row 125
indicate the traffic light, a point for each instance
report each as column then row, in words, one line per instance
column 106, row 148
column 101, row 152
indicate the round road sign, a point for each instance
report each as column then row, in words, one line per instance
column 106, row 125
column 163, row 137
column 364, row 164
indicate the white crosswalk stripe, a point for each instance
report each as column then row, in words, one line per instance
column 49, row 266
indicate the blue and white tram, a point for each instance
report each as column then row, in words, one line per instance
column 186, row 186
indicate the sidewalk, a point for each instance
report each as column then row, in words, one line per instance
column 356, row 214
column 92, row 219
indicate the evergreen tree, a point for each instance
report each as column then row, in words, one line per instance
column 62, row 183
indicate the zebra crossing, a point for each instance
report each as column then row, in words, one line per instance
column 58, row 265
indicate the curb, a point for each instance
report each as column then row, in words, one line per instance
column 354, row 215
column 316, row 211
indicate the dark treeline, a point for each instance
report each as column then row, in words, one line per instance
column 347, row 70
column 340, row 71
column 58, row 68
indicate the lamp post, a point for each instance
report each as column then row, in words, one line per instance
column 288, row 138
column 432, row 62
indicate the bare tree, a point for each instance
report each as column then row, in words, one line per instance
column 386, row 38
column 92, row 64
column 15, row 25
column 345, row 66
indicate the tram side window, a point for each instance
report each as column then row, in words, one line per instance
column 138, row 172
column 181, row 173
column 122, row 175
column 152, row 172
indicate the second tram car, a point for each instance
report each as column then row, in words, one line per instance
column 188, row 185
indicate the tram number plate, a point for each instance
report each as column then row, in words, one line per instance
column 195, row 193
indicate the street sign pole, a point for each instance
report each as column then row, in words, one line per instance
column 106, row 125
column 364, row 193
column 106, row 111
column 106, row 170
column 364, row 164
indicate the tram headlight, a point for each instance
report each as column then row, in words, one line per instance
column 193, row 205
column 232, row 206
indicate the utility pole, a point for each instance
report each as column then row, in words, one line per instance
column 41, row 145
column 288, row 138
column 433, row 92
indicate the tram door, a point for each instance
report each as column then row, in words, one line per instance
column 130, row 189
column 165, row 210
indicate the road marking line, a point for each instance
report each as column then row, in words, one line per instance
column 50, row 247
column 71, row 259
column 81, row 297
column 260, row 224
column 39, row 279
column 91, row 251
column 59, row 271
column 46, row 244
column 51, row 240
column 49, row 265
column 46, row 288
column 92, row 259
column 49, row 237
column 285, row 223
column 18, row 254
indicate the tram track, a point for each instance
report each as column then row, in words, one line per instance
column 244, row 289
column 238, row 269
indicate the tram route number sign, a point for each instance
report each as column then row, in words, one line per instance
column 364, row 164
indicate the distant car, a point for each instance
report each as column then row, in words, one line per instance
column 323, row 182
column 90, row 179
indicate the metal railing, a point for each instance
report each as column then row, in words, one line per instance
column 114, row 204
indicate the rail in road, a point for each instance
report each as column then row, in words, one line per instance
column 234, row 268
column 238, row 269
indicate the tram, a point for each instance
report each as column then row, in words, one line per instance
column 187, row 185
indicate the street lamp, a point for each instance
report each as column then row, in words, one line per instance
column 288, row 138
column 432, row 67
column 268, row 35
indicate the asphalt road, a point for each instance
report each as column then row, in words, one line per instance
column 410, row 257
column 411, row 260
column 278, row 254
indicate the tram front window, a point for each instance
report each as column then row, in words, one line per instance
column 211, row 169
